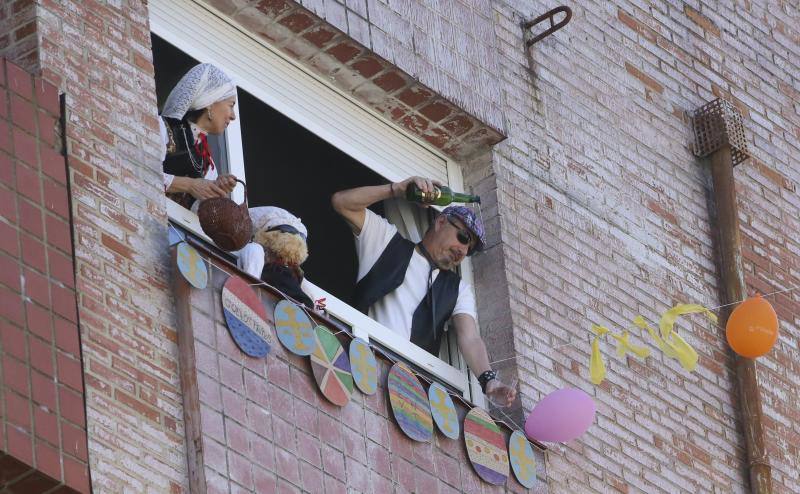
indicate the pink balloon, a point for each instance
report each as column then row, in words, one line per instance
column 561, row 416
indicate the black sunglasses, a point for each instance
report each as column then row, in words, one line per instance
column 461, row 235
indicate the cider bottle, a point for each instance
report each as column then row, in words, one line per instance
column 440, row 196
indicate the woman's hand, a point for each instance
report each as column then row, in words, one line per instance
column 226, row 183
column 201, row 188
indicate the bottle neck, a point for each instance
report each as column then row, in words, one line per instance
column 465, row 198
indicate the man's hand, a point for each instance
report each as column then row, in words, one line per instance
column 500, row 394
column 424, row 184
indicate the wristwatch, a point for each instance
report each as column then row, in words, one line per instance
column 485, row 377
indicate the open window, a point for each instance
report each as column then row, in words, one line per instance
column 296, row 141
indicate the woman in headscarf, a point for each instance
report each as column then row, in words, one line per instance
column 201, row 103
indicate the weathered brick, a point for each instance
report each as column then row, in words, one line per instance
column 20, row 446
column 33, row 253
column 344, row 52
column 297, row 22
column 435, row 111
column 23, row 114
column 644, row 78
column 47, row 97
column 390, row 81
column 53, row 164
column 46, row 425
column 76, row 474
column 701, row 20
column 58, row 234
column 42, row 358
column 18, row 80
column 273, row 8
column 320, row 35
column 18, row 410
column 25, row 148
column 30, row 217
column 55, row 198
column 367, row 66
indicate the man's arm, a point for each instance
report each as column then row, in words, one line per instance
column 351, row 203
column 473, row 349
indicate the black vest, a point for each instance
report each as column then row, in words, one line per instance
column 432, row 313
column 180, row 153
column 180, row 150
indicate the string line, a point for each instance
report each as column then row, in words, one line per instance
column 388, row 357
column 634, row 328
column 424, row 378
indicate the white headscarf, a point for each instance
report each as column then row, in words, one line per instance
column 202, row 86
column 266, row 217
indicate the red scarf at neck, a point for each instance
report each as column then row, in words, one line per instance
column 202, row 148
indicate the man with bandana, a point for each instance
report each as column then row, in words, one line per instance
column 413, row 289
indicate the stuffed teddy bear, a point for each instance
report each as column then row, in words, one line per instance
column 283, row 238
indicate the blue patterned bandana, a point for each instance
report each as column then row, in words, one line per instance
column 472, row 222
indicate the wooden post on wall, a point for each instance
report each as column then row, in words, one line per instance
column 182, row 292
column 719, row 135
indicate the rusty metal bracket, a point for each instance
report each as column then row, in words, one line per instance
column 554, row 26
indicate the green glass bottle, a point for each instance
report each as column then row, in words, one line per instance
column 441, row 196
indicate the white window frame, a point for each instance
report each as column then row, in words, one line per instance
column 276, row 80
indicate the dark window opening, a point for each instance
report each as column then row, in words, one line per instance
column 290, row 167
column 170, row 63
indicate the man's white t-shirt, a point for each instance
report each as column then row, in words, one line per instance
column 396, row 309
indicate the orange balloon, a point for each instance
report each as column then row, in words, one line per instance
column 752, row 328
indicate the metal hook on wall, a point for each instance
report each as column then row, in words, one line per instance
column 554, row 26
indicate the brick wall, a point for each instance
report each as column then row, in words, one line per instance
column 601, row 213
column 18, row 40
column 769, row 210
column 604, row 215
column 357, row 68
column 263, row 426
column 98, row 54
column 448, row 45
column 42, row 420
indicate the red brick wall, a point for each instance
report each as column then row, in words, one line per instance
column 373, row 78
column 770, row 210
column 601, row 213
column 604, row 215
column 263, row 426
column 98, row 53
column 18, row 39
column 42, row 417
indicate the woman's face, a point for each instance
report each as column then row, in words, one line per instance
column 219, row 115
